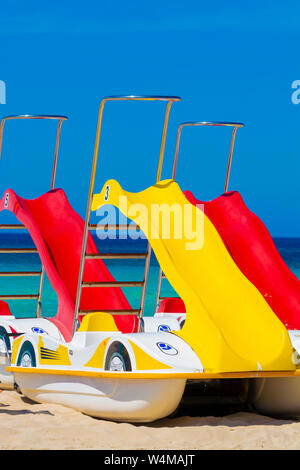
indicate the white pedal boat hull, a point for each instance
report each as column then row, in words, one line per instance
column 20, row 325
column 276, row 396
column 6, row 378
column 132, row 400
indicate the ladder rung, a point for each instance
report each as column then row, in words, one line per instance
column 12, row 226
column 18, row 250
column 20, row 273
column 113, row 284
column 116, row 255
column 113, row 227
column 19, row 297
column 111, row 312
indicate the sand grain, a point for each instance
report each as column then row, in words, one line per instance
column 25, row 425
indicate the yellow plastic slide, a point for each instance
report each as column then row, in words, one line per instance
column 228, row 323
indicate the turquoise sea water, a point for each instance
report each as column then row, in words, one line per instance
column 289, row 249
column 127, row 270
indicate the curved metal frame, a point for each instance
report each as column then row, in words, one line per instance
column 170, row 100
column 236, row 126
column 60, row 120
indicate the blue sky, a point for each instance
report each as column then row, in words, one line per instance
column 229, row 61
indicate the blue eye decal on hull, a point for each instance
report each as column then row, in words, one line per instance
column 167, row 349
column 39, row 331
column 164, row 328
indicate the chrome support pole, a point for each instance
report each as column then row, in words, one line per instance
column 163, row 141
column 230, row 159
column 144, row 288
column 158, row 178
column 157, row 299
column 87, row 216
column 39, row 299
column 56, row 153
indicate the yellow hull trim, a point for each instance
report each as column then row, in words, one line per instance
column 156, row 375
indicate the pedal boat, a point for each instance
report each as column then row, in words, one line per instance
column 142, row 377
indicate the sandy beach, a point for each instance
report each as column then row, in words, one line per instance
column 28, row 425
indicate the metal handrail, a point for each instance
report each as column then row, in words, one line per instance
column 235, row 126
column 169, row 100
column 60, row 120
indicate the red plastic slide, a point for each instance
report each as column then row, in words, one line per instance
column 57, row 231
column 253, row 250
